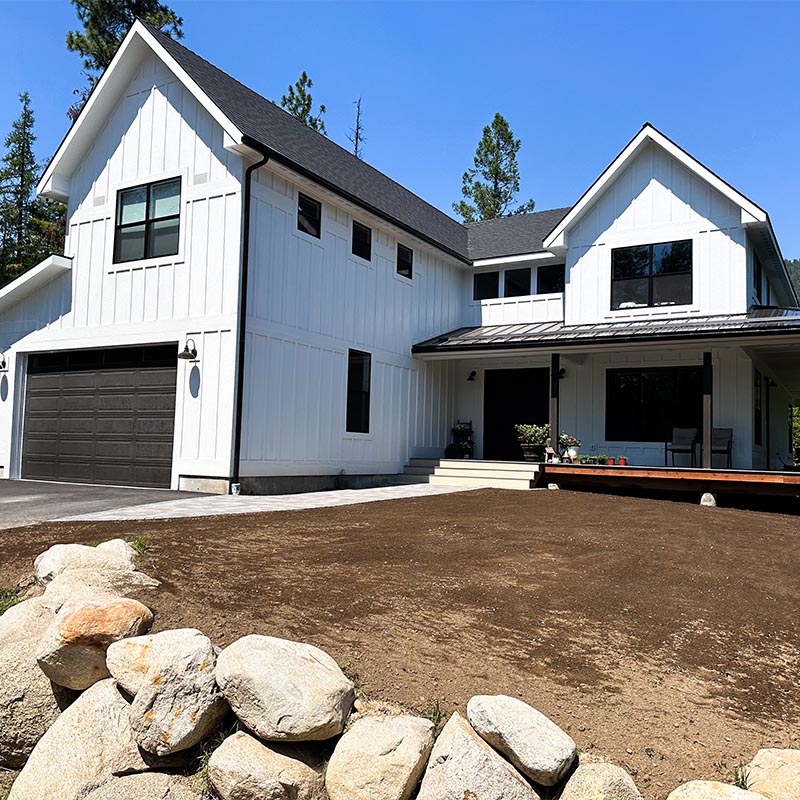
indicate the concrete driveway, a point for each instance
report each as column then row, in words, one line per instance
column 25, row 502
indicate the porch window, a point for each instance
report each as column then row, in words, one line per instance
column 362, row 241
column 359, row 366
column 651, row 275
column 405, row 261
column 148, row 221
column 309, row 215
column 550, row 279
column 644, row 405
column 485, row 285
column 517, row 282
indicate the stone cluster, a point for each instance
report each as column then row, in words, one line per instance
column 93, row 706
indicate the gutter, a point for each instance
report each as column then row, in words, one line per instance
column 242, row 330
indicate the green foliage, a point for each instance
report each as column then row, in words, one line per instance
column 532, row 434
column 796, row 434
column 741, row 777
column 300, row 104
column 793, row 267
column 208, row 746
column 434, row 713
column 351, row 673
column 8, row 598
column 493, row 182
column 105, row 23
column 356, row 133
column 30, row 228
column 141, row 544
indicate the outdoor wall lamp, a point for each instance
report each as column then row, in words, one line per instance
column 189, row 354
column 471, row 378
column 3, row 364
column 562, row 373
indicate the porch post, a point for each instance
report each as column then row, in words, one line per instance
column 555, row 368
column 708, row 421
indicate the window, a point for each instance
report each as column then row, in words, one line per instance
column 362, row 241
column 517, row 282
column 309, row 215
column 485, row 285
column 405, row 261
column 758, row 277
column 148, row 221
column 758, row 415
column 358, row 379
column 651, row 275
column 550, row 280
column 644, row 405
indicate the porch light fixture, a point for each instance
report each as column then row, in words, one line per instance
column 471, row 378
column 562, row 373
column 3, row 364
column 188, row 354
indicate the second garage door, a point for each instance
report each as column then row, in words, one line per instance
column 101, row 416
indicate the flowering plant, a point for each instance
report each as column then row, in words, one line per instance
column 532, row 434
column 566, row 440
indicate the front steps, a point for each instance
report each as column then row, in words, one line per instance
column 468, row 472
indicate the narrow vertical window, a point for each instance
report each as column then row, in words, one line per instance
column 362, row 241
column 309, row 215
column 359, row 366
column 405, row 261
column 148, row 221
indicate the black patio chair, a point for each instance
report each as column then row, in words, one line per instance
column 684, row 442
column 722, row 444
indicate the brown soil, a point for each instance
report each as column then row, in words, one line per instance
column 660, row 635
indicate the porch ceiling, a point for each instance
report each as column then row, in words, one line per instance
column 783, row 362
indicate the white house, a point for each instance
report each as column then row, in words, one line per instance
column 331, row 321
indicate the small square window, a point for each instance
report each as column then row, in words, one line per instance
column 405, row 261
column 309, row 215
column 517, row 282
column 362, row 241
column 485, row 285
column 550, row 279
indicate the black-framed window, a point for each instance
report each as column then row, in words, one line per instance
column 309, row 215
column 359, row 368
column 148, row 221
column 758, row 278
column 485, row 285
column 651, row 275
column 758, row 413
column 517, row 282
column 405, row 261
column 362, row 241
column 550, row 279
column 645, row 404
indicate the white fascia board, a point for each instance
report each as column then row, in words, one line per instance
column 33, row 279
column 501, row 260
column 55, row 180
column 650, row 134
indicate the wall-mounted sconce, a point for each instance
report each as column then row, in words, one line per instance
column 472, row 376
column 189, row 353
column 562, row 373
column 3, row 363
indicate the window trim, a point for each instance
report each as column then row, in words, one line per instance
column 368, row 393
column 147, row 222
column 409, row 277
column 318, row 204
column 367, row 228
column 650, row 276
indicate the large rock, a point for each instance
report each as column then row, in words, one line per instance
column 776, row 774
column 150, row 786
column 179, row 703
column 75, row 584
column 29, row 702
column 711, row 790
column 532, row 742
column 112, row 556
column 463, row 767
column 600, row 782
column 72, row 652
column 242, row 768
column 379, row 758
column 284, row 690
column 85, row 748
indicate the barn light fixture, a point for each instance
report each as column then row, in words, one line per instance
column 188, row 354
column 471, row 378
column 562, row 373
column 3, row 364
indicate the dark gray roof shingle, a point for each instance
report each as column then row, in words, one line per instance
column 512, row 236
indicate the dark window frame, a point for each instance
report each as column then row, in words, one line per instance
column 148, row 222
column 548, row 268
column 476, row 276
column 362, row 227
column 651, row 276
column 508, row 272
column 301, row 197
column 362, row 409
column 401, row 273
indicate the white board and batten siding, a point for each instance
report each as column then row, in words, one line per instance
column 309, row 301
column 157, row 131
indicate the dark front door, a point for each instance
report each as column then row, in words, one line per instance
column 512, row 396
column 101, row 416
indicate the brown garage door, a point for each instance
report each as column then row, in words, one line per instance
column 101, row 416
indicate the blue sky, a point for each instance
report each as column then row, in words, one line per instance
column 575, row 81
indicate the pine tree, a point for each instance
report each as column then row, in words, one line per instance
column 30, row 228
column 493, row 182
column 356, row 133
column 105, row 23
column 299, row 103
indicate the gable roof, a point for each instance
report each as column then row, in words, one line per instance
column 512, row 236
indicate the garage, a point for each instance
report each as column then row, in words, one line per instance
column 101, row 416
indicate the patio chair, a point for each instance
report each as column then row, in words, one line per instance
column 722, row 443
column 684, row 441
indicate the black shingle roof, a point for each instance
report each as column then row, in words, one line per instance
column 512, row 236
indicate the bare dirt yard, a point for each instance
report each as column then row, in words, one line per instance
column 660, row 635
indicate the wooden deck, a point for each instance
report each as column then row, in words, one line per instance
column 670, row 479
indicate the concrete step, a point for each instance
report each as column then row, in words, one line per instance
column 413, row 469
column 409, row 479
column 469, row 464
column 423, row 462
column 477, row 480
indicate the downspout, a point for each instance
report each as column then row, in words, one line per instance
column 242, row 330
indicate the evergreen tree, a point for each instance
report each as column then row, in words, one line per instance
column 356, row 133
column 493, row 182
column 299, row 103
column 105, row 23
column 30, row 228
column 793, row 267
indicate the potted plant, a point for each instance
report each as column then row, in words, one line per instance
column 570, row 444
column 611, row 461
column 602, row 459
column 622, row 461
column 532, row 440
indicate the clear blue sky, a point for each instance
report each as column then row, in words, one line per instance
column 575, row 81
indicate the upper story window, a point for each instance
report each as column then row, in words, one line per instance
column 651, row 275
column 758, row 278
column 405, row 261
column 362, row 241
column 309, row 215
column 148, row 221
column 359, row 367
column 485, row 285
column 550, row 279
column 517, row 282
